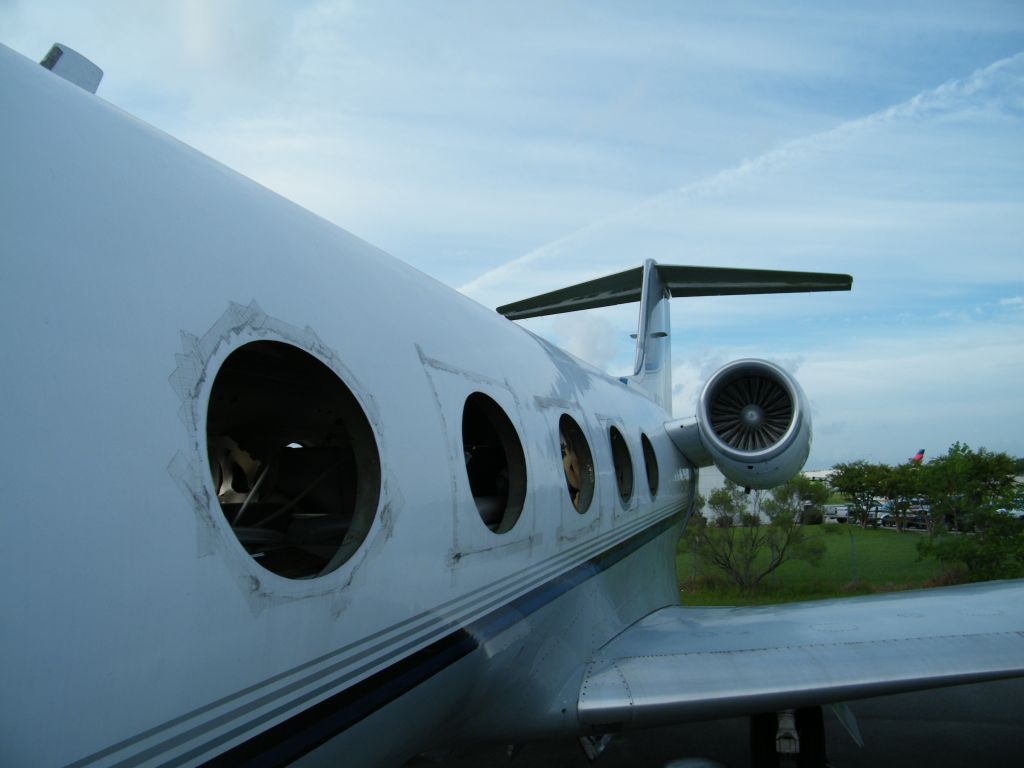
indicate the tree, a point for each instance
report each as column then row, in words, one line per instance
column 901, row 485
column 809, row 496
column 860, row 482
column 736, row 542
column 964, row 485
column 968, row 489
column 995, row 550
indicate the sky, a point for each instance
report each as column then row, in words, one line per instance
column 512, row 148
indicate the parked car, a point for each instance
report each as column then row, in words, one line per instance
column 916, row 520
column 1017, row 513
column 837, row 513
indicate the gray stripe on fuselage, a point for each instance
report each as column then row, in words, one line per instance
column 463, row 609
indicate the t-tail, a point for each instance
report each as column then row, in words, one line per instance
column 752, row 420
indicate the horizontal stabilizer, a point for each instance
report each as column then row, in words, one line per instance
column 620, row 288
column 627, row 286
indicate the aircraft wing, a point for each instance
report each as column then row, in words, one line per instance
column 683, row 663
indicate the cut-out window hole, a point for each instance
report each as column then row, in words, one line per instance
column 623, row 464
column 651, row 464
column 293, row 458
column 577, row 461
column 495, row 463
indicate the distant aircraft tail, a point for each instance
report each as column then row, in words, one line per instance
column 653, row 285
column 918, row 457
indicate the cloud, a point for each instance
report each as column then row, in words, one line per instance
column 592, row 339
column 922, row 201
column 983, row 87
column 689, row 376
column 936, row 387
column 520, row 147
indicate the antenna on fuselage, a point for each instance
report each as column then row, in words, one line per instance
column 73, row 67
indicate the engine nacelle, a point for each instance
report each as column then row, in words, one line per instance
column 752, row 423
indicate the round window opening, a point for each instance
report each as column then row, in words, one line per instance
column 623, row 465
column 495, row 464
column 651, row 464
column 577, row 462
column 293, row 459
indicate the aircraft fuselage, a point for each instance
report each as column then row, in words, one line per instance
column 139, row 626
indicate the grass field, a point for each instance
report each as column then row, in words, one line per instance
column 856, row 562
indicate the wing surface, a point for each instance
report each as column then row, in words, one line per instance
column 683, row 663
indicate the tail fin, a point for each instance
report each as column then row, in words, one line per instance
column 652, row 285
column 652, row 366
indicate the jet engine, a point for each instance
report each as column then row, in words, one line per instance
column 752, row 423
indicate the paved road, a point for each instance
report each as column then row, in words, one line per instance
column 976, row 725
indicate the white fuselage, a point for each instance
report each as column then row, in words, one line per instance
column 135, row 626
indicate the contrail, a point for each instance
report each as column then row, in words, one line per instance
column 929, row 102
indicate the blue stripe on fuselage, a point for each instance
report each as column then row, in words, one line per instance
column 291, row 739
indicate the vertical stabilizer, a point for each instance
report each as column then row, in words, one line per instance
column 652, row 369
column 653, row 285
